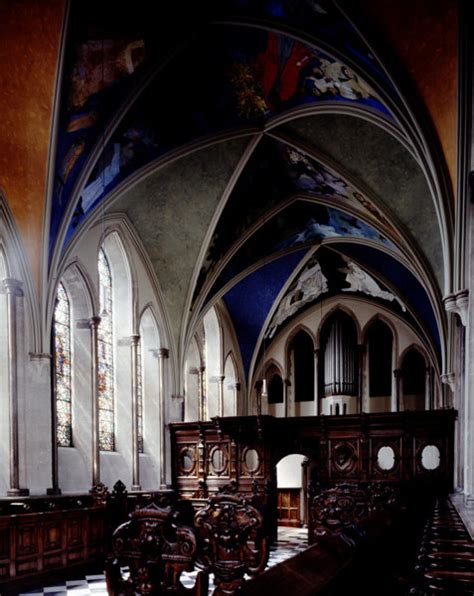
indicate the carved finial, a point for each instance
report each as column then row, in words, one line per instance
column 99, row 493
column 119, row 489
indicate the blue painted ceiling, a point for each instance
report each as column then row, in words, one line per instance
column 135, row 93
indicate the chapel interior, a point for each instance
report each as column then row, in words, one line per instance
column 236, row 245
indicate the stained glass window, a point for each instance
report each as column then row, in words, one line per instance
column 105, row 357
column 140, row 397
column 62, row 350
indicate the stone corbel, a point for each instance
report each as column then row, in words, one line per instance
column 449, row 379
column 458, row 303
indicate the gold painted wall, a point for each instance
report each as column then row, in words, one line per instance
column 424, row 34
column 30, row 33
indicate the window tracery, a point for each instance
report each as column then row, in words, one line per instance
column 62, row 368
column 105, row 357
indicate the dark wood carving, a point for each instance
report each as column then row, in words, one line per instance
column 346, row 505
column 340, row 448
column 186, row 464
column 392, row 474
column 344, row 458
column 40, row 537
column 157, row 546
column 231, row 541
column 218, row 460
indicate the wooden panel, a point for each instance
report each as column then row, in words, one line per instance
column 27, row 540
column 52, row 535
column 289, row 507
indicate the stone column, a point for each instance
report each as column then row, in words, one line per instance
column 305, row 469
column 286, row 385
column 361, row 389
column 220, row 390
column 316, row 381
column 237, row 387
column 163, row 355
column 94, row 323
column 13, row 290
column 134, row 339
column 202, row 397
column 397, row 373
column 428, row 405
column 258, row 389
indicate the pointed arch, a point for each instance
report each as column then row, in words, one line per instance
column 274, row 379
column 345, row 309
column 214, row 365
column 194, row 365
column 413, row 366
column 295, row 331
column 62, row 342
column 230, row 388
column 301, row 355
column 380, row 351
column 74, row 460
column 339, row 339
column 148, row 390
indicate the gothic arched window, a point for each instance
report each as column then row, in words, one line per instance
column 62, row 368
column 105, row 357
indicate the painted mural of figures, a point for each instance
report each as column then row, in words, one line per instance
column 310, row 284
column 360, row 281
column 312, row 176
column 278, row 68
column 330, row 77
column 96, row 188
column 135, row 144
column 99, row 64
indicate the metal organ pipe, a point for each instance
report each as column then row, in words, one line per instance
column 340, row 372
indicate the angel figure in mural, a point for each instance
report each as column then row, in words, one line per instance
column 333, row 78
column 310, row 284
column 360, row 281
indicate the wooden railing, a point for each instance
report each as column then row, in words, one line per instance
column 43, row 538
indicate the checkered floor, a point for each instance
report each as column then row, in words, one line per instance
column 290, row 542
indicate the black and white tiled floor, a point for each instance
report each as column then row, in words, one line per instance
column 291, row 541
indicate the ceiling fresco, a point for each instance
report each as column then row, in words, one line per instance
column 255, row 75
column 302, row 223
column 263, row 286
column 324, row 274
column 275, row 172
column 267, row 133
column 398, row 276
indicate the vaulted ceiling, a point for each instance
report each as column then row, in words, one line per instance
column 248, row 141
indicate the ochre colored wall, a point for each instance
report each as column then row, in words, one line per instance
column 30, row 33
column 423, row 33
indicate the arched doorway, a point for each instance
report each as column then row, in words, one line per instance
column 291, row 490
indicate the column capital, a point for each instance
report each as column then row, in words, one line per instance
column 94, row 322
column 39, row 356
column 13, row 286
column 458, row 303
column 217, row 379
column 134, row 339
column 161, row 353
column 449, row 379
